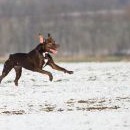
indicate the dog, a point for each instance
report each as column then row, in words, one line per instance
column 35, row 60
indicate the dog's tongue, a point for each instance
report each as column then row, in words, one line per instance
column 53, row 51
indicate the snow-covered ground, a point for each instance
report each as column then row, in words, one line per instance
column 95, row 97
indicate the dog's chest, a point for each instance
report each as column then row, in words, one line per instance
column 45, row 59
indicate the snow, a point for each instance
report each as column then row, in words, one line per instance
column 95, row 97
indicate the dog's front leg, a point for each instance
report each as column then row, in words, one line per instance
column 45, row 72
column 56, row 67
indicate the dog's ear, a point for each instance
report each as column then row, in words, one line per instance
column 41, row 39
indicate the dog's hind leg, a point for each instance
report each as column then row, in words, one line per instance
column 7, row 68
column 18, row 70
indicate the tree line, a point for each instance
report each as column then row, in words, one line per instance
column 85, row 28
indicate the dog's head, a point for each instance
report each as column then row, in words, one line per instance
column 49, row 44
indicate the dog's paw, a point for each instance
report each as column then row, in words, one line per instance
column 50, row 77
column 70, row 72
column 16, row 83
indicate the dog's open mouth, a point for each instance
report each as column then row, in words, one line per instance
column 53, row 51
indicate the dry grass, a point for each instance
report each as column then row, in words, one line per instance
column 92, row 58
column 2, row 59
column 84, row 58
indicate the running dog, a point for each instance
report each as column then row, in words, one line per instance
column 35, row 60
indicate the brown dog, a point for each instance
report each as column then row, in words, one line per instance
column 34, row 60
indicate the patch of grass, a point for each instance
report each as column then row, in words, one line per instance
column 19, row 112
column 33, row 80
column 9, row 81
column 2, row 60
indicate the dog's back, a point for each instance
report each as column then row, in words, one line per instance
column 25, row 60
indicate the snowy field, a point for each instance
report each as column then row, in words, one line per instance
column 95, row 97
